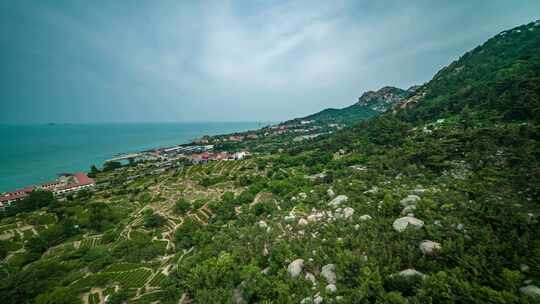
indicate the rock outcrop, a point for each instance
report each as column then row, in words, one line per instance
column 329, row 274
column 408, row 209
column 429, row 247
column 365, row 217
column 411, row 199
column 330, row 192
column 338, row 200
column 331, row 288
column 402, row 223
column 295, row 268
column 531, row 291
column 383, row 99
column 348, row 212
column 310, row 277
column 345, row 213
column 410, row 273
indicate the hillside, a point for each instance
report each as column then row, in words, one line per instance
column 370, row 104
column 501, row 76
column 435, row 201
column 297, row 131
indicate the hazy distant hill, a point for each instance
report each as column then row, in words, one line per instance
column 370, row 104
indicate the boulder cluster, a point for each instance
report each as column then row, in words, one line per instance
column 409, row 221
column 402, row 223
column 338, row 200
column 409, row 205
column 328, row 272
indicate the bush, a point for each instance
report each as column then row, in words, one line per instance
column 154, row 220
column 181, row 207
column 112, row 165
column 35, row 200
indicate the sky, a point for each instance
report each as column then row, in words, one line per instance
column 260, row 60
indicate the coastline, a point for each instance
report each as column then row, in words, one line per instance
column 37, row 153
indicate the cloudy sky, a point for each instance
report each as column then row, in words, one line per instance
column 259, row 60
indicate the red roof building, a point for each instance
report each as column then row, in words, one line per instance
column 82, row 181
column 74, row 182
column 16, row 195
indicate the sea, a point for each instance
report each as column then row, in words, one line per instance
column 36, row 153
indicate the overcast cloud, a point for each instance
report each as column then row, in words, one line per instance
column 132, row 61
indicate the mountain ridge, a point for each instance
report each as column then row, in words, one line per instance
column 369, row 104
column 497, row 61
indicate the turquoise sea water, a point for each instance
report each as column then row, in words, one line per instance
column 31, row 154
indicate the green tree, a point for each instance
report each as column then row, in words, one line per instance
column 100, row 216
column 111, row 165
column 93, row 171
column 154, row 220
column 181, row 206
column 185, row 235
column 61, row 295
column 35, row 200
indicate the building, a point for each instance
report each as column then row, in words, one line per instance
column 202, row 141
column 236, row 138
column 66, row 183
column 9, row 197
column 197, row 158
column 222, row 156
column 241, row 155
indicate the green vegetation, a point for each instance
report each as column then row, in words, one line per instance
column 181, row 207
column 110, row 166
column 135, row 278
column 458, row 164
column 350, row 114
column 93, row 298
column 136, row 250
column 35, row 200
column 153, row 220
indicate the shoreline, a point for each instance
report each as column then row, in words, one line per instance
column 99, row 156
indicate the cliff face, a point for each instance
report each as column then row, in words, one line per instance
column 370, row 104
column 383, row 99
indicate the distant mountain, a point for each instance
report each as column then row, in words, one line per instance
column 498, row 69
column 370, row 104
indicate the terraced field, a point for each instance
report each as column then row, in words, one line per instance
column 157, row 279
column 91, row 242
column 134, row 278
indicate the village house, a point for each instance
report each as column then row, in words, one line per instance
column 222, row 156
column 201, row 141
column 66, row 183
column 236, row 138
column 7, row 198
column 197, row 158
column 241, row 155
column 73, row 182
